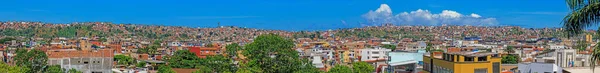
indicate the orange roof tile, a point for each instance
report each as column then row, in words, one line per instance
column 76, row 53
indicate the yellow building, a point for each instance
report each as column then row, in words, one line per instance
column 462, row 62
column 588, row 38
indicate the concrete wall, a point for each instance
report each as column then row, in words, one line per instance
column 86, row 65
column 538, row 67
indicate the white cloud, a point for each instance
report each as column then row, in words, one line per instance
column 384, row 8
column 425, row 17
column 475, row 15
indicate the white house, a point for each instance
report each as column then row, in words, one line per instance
column 374, row 53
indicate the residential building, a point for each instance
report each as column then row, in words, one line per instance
column 202, row 52
column 560, row 57
column 87, row 61
column 461, row 62
column 406, row 62
column 538, row 67
column 374, row 53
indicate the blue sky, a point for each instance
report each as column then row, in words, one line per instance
column 273, row 14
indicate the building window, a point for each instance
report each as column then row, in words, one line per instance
column 482, row 58
column 496, row 67
column 469, row 59
column 375, row 52
column 451, row 58
column 481, row 70
column 426, row 67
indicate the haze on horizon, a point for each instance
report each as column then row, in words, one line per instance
column 291, row 15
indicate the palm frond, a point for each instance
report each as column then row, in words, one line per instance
column 577, row 4
column 595, row 56
column 582, row 18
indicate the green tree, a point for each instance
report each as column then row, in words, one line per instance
column 183, row 59
column 218, row 63
column 54, row 69
column 362, row 67
column 142, row 50
column 510, row 49
column 340, row 69
column 510, row 59
column 388, row 46
column 307, row 67
column 6, row 39
column 165, row 69
column 124, row 60
column 153, row 48
column 73, row 70
column 141, row 64
column 102, row 40
column 581, row 45
column 204, row 69
column 12, row 69
column 244, row 68
column 428, row 47
column 232, row 49
column 584, row 13
column 272, row 53
column 35, row 60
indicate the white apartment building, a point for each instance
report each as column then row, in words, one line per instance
column 560, row 57
column 374, row 53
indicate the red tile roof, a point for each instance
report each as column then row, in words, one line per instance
column 76, row 53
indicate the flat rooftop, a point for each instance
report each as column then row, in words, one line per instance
column 473, row 54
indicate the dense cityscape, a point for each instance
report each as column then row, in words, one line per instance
column 216, row 36
column 106, row 47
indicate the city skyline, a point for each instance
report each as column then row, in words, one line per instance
column 282, row 15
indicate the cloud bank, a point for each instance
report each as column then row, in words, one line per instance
column 424, row 17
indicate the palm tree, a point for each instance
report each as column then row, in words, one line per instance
column 584, row 13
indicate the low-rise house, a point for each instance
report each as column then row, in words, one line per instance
column 87, row 61
column 202, row 52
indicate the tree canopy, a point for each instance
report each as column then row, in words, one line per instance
column 510, row 59
column 141, row 64
column 183, row 59
column 362, row 67
column 340, row 69
column 388, row 46
column 12, row 69
column 272, row 53
column 73, row 70
column 232, row 49
column 35, row 60
column 54, row 69
column 217, row 63
column 165, row 69
column 124, row 60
